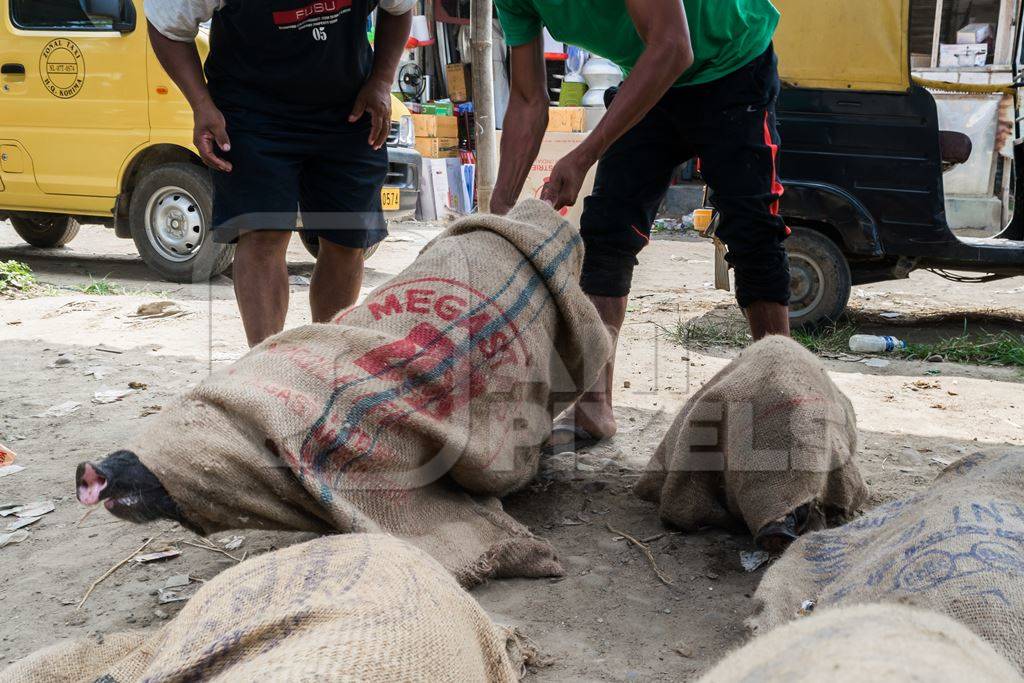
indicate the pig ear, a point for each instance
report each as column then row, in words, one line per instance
column 90, row 484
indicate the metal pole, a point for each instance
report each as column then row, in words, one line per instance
column 483, row 101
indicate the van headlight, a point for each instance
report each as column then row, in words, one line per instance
column 406, row 132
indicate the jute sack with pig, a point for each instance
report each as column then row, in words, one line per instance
column 358, row 607
column 769, row 437
column 866, row 643
column 956, row 548
column 411, row 413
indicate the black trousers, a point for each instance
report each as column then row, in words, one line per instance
column 729, row 125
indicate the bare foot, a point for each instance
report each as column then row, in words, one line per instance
column 591, row 420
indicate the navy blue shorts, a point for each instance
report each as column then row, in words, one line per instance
column 334, row 177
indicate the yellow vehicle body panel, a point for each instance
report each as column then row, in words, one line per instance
column 88, row 103
column 80, row 108
column 169, row 113
column 844, row 45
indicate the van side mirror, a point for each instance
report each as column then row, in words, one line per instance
column 120, row 12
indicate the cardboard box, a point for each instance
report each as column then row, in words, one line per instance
column 432, row 126
column 438, row 148
column 441, row 108
column 974, row 54
column 460, row 84
column 552, row 149
column 566, row 120
column 973, row 34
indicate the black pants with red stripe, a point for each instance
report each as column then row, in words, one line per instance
column 729, row 125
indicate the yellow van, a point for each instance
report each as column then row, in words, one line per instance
column 93, row 130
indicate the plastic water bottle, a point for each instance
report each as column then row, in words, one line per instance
column 869, row 343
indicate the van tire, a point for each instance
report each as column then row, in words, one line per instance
column 820, row 279
column 180, row 194
column 45, row 230
column 312, row 245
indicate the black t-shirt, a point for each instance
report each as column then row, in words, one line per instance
column 288, row 59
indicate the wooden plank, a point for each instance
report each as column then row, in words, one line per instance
column 937, row 33
column 1005, row 32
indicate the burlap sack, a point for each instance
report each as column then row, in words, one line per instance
column 440, row 385
column 357, row 607
column 957, row 548
column 866, row 643
column 766, row 435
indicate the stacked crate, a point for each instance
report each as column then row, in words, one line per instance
column 437, row 136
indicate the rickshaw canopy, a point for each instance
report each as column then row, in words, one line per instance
column 844, row 45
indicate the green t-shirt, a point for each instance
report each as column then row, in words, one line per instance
column 725, row 34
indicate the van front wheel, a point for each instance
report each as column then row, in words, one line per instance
column 45, row 230
column 170, row 216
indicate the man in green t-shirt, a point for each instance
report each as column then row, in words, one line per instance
column 701, row 81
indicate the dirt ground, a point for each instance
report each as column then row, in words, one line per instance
column 609, row 618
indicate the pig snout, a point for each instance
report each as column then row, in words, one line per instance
column 127, row 488
column 90, row 483
column 118, row 481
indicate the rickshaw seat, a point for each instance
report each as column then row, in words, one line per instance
column 954, row 146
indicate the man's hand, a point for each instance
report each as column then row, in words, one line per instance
column 210, row 135
column 563, row 187
column 499, row 205
column 375, row 99
column 181, row 61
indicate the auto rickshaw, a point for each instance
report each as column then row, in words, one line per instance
column 862, row 160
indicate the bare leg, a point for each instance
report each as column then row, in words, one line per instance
column 593, row 411
column 336, row 280
column 767, row 317
column 261, row 282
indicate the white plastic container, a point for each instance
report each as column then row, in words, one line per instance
column 594, row 97
column 869, row 343
column 601, row 73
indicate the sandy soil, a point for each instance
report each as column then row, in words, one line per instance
column 609, row 618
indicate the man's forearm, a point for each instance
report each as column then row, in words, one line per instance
column 655, row 72
column 521, row 137
column 181, row 62
column 388, row 44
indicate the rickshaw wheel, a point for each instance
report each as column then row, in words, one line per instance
column 819, row 279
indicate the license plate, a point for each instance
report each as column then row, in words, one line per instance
column 390, row 198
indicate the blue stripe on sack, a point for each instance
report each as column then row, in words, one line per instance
column 382, row 426
column 363, row 406
column 466, row 316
